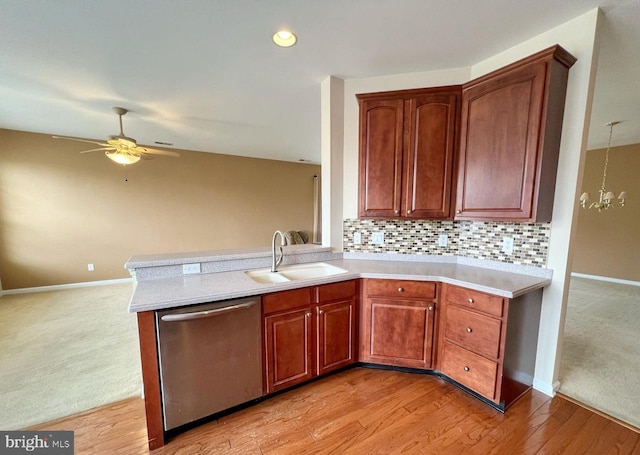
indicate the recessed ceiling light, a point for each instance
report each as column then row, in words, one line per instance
column 284, row 38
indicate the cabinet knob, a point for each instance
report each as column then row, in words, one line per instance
column 321, row 312
column 466, row 368
column 400, row 289
column 308, row 315
column 469, row 330
column 430, row 308
column 470, row 300
column 408, row 212
column 458, row 211
column 397, row 212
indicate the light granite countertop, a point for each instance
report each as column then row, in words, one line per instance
column 175, row 291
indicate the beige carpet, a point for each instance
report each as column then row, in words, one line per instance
column 601, row 353
column 62, row 352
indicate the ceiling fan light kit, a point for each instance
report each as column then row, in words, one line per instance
column 123, row 158
column 122, row 149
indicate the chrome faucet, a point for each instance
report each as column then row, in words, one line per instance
column 275, row 263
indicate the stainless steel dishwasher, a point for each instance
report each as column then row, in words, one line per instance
column 210, row 358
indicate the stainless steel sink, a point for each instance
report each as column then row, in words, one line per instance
column 295, row 272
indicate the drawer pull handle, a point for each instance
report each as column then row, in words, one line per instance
column 400, row 289
column 466, row 368
column 470, row 300
column 430, row 308
column 469, row 330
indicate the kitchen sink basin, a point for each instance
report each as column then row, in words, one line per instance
column 266, row 276
column 295, row 272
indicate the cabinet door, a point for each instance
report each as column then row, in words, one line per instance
column 381, row 131
column 399, row 332
column 289, row 355
column 429, row 151
column 500, row 143
column 336, row 335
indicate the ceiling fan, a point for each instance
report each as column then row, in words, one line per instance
column 122, row 149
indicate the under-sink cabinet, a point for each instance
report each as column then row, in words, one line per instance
column 308, row 332
column 397, row 324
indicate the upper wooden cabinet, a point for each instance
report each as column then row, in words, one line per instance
column 510, row 139
column 407, row 149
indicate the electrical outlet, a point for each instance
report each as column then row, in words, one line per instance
column 377, row 238
column 443, row 240
column 357, row 238
column 507, row 245
column 188, row 269
column 90, row 267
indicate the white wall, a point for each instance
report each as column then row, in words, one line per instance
column 331, row 143
column 580, row 37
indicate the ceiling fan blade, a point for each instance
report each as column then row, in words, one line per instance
column 97, row 150
column 80, row 140
column 158, row 152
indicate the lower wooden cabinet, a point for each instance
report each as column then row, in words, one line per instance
column 398, row 323
column 335, row 335
column 308, row 332
column 288, row 349
column 485, row 342
column 488, row 343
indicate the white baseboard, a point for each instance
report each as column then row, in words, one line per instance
column 605, row 278
column 59, row 287
column 546, row 387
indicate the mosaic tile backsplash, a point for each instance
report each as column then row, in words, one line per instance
column 474, row 239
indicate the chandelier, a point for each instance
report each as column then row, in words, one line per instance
column 607, row 198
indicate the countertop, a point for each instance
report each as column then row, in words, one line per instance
column 184, row 290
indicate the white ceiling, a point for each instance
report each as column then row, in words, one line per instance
column 204, row 75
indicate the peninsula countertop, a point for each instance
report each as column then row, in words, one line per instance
column 176, row 291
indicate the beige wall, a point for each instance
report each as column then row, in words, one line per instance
column 60, row 210
column 606, row 243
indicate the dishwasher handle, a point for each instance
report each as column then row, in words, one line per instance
column 206, row 313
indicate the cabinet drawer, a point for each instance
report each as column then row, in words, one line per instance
column 286, row 300
column 469, row 369
column 335, row 291
column 473, row 331
column 479, row 301
column 401, row 289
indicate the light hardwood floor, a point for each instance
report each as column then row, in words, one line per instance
column 366, row 411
